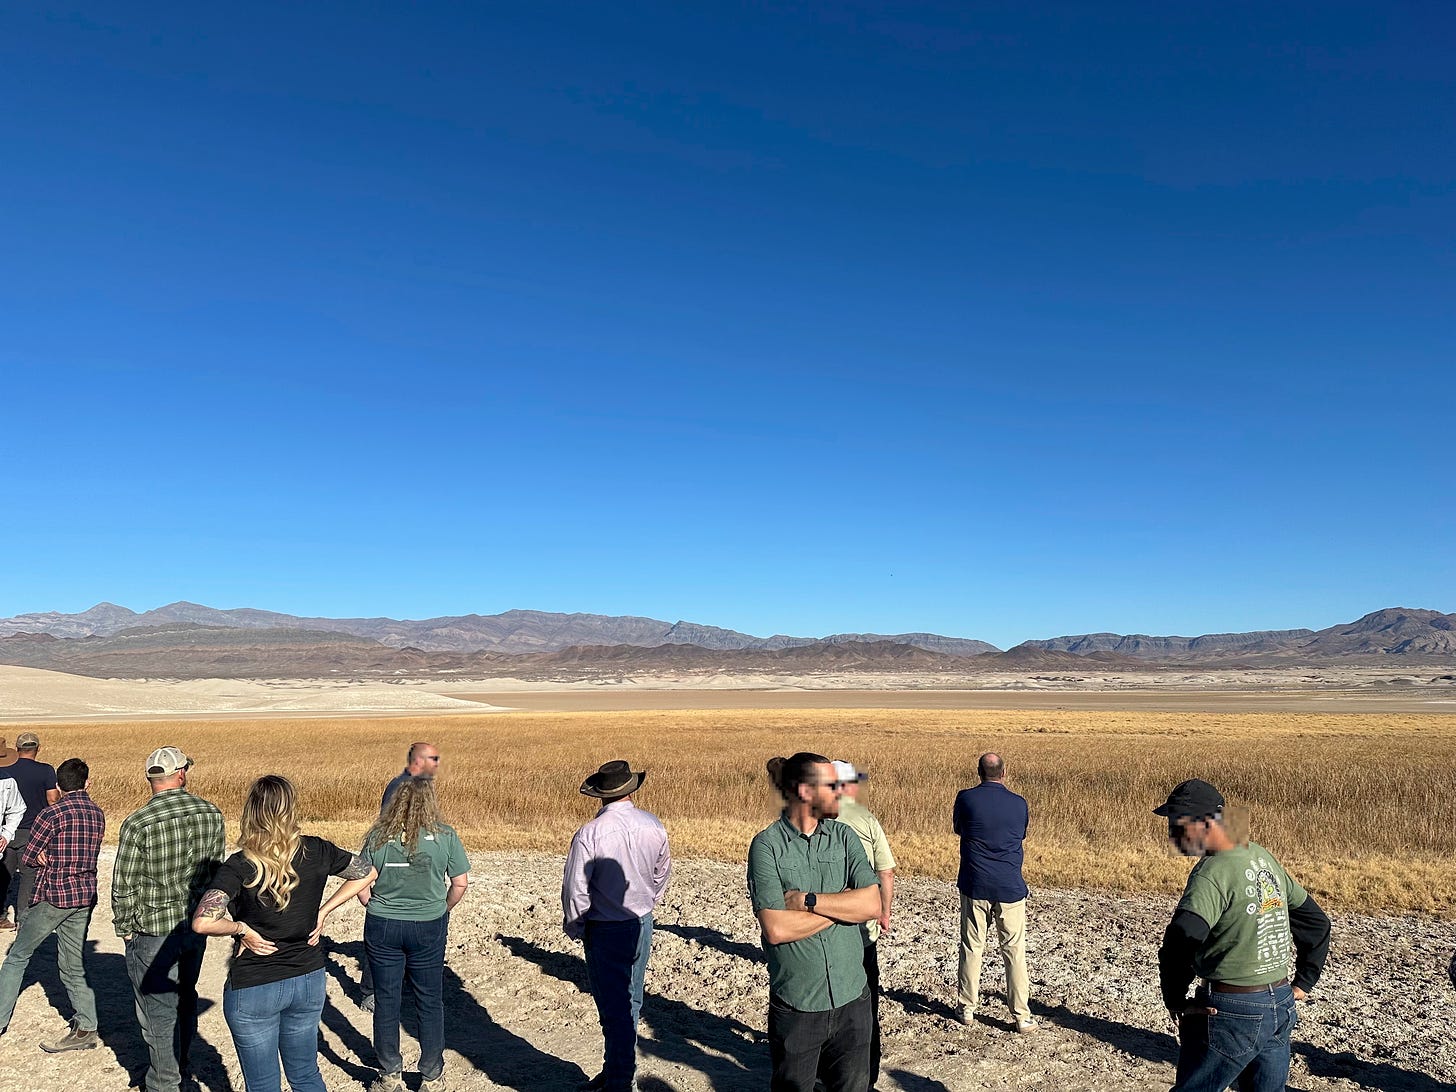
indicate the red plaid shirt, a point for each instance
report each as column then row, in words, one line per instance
column 69, row 834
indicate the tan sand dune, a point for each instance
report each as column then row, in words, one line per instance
column 28, row 693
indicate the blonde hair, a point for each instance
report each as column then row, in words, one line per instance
column 269, row 837
column 412, row 810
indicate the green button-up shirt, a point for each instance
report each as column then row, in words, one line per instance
column 824, row 971
column 166, row 854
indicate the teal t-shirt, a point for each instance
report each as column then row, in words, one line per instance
column 1245, row 896
column 411, row 887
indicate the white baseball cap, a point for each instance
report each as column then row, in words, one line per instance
column 845, row 772
column 165, row 761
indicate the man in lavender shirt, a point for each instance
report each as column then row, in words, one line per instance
column 616, row 872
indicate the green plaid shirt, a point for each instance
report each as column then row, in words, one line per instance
column 165, row 858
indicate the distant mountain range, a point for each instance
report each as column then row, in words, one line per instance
column 511, row 632
column 188, row 640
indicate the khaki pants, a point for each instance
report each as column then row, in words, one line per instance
column 977, row 916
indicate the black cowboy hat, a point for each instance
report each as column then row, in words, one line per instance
column 614, row 779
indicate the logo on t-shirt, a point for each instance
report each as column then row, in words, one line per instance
column 1270, row 896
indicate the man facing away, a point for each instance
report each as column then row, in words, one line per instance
column 166, row 855
column 812, row 887
column 422, row 760
column 877, row 848
column 616, row 872
column 64, row 842
column 991, row 821
column 1239, row 915
column 37, row 784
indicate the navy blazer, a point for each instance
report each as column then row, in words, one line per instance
column 991, row 820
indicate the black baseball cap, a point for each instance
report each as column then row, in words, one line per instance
column 1192, row 799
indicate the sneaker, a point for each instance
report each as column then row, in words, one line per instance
column 7, row 925
column 1027, row 1027
column 388, row 1082
column 75, row 1039
column 965, row 1015
column 437, row 1085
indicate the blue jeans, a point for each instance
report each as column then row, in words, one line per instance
column 616, row 965
column 41, row 921
column 1244, row 1044
column 413, row 952
column 278, row 1019
column 163, row 972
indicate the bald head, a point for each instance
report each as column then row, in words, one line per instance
column 991, row 767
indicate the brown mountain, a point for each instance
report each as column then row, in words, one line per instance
column 511, row 632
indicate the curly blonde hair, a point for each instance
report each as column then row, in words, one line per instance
column 412, row 810
column 269, row 837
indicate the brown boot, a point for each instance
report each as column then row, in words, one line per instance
column 75, row 1039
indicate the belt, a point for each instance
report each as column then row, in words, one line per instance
column 1228, row 987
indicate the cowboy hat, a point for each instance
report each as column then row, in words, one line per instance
column 614, row 779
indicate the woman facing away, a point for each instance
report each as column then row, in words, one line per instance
column 267, row 896
column 422, row 873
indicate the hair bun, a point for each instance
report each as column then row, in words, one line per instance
column 775, row 767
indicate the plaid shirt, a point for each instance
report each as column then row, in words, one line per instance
column 165, row 857
column 69, row 833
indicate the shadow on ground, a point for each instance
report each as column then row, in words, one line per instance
column 728, row 1053
column 503, row 1056
column 116, row 1021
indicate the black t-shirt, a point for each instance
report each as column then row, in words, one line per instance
column 315, row 861
column 32, row 778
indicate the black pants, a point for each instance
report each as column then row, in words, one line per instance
column 872, row 972
column 15, row 878
column 831, row 1046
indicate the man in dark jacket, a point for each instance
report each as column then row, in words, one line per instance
column 1239, row 915
column 991, row 820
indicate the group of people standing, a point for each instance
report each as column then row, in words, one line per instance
column 820, row 882
column 172, row 889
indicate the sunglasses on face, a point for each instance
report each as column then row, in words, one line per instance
column 833, row 784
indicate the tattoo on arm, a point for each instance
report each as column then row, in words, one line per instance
column 357, row 870
column 214, row 906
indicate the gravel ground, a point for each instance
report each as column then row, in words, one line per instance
column 517, row 1015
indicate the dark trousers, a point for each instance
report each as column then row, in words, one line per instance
column 412, row 952
column 872, row 972
column 163, row 973
column 831, row 1046
column 17, row 881
column 616, row 966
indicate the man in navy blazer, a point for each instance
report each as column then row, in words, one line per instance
column 991, row 820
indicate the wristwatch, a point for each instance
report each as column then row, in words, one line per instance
column 810, row 900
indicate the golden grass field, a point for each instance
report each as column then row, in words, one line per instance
column 1358, row 806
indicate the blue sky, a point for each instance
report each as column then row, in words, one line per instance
column 997, row 320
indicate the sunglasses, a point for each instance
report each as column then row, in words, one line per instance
column 833, row 784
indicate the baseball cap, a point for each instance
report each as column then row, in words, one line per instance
column 1191, row 799
column 26, row 740
column 165, row 761
column 845, row 772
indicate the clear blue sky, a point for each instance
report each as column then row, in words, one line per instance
column 998, row 320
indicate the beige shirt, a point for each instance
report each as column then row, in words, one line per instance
column 859, row 819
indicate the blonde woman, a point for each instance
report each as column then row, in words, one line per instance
column 422, row 872
column 267, row 897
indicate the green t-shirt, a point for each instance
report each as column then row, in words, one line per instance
column 1245, row 896
column 411, row 887
column 826, row 970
